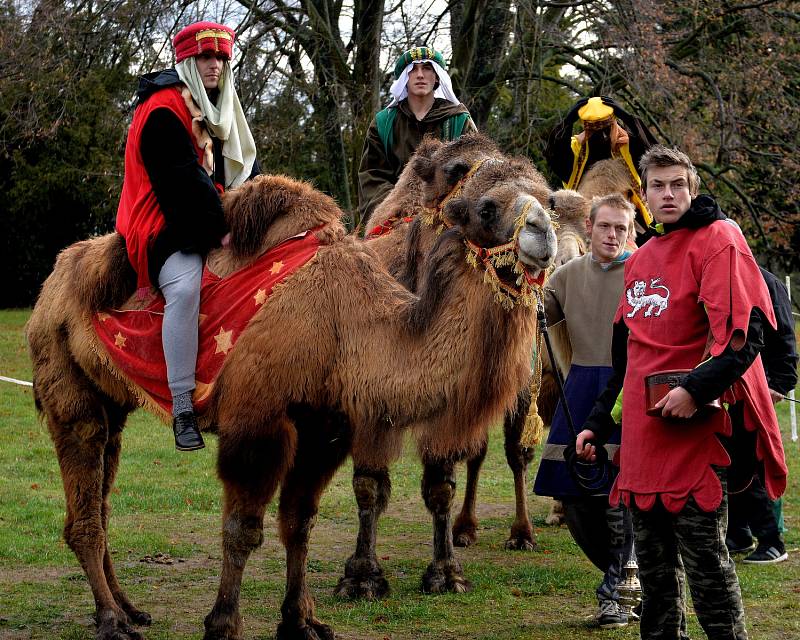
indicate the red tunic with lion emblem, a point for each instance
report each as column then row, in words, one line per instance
column 677, row 287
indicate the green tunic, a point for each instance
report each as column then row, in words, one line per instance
column 380, row 168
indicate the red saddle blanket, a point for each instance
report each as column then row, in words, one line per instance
column 132, row 338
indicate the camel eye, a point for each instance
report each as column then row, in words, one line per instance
column 487, row 210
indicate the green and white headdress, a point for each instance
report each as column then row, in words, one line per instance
column 419, row 55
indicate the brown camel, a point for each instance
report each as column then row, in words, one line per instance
column 406, row 230
column 338, row 360
column 603, row 177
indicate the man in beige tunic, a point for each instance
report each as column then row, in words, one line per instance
column 585, row 293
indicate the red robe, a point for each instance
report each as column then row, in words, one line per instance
column 677, row 286
column 139, row 217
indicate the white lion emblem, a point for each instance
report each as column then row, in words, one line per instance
column 638, row 300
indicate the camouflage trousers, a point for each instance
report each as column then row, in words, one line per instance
column 690, row 543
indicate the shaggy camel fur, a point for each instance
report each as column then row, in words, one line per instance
column 410, row 199
column 429, row 179
column 602, row 178
column 338, row 360
column 86, row 401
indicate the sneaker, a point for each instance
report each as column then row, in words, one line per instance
column 767, row 555
column 611, row 616
column 736, row 547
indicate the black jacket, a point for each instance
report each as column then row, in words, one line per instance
column 195, row 222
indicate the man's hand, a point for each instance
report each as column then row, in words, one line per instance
column 584, row 448
column 678, row 403
column 776, row 396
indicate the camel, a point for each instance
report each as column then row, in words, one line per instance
column 603, row 177
column 435, row 175
column 413, row 197
column 339, row 360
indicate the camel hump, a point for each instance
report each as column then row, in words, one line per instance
column 606, row 176
column 94, row 274
column 268, row 209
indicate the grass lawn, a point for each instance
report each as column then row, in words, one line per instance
column 165, row 542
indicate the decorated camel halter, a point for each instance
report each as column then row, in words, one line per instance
column 527, row 288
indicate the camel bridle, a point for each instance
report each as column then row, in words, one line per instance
column 527, row 288
column 524, row 290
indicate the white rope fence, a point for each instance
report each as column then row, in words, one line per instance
column 24, row 383
column 790, row 395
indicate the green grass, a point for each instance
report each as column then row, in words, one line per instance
column 168, row 503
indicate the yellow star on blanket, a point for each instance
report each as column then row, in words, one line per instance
column 276, row 267
column 260, row 297
column 119, row 340
column 224, row 341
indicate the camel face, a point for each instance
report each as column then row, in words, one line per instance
column 537, row 239
column 503, row 197
column 572, row 210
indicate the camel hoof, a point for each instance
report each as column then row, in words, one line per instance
column 221, row 626
column 115, row 625
column 371, row 587
column 120, row 631
column 445, row 577
column 554, row 520
column 464, row 539
column 520, row 544
column 141, row 618
column 362, row 579
column 464, row 535
column 304, row 630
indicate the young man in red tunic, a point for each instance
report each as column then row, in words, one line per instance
column 695, row 300
column 187, row 143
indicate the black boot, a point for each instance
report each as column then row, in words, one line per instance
column 187, row 434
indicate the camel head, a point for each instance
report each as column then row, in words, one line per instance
column 572, row 211
column 495, row 200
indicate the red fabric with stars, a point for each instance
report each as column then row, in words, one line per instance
column 133, row 338
column 688, row 281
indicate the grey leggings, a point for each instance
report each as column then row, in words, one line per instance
column 179, row 280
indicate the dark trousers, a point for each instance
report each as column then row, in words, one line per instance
column 691, row 542
column 751, row 513
column 604, row 534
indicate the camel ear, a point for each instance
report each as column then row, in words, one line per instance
column 457, row 211
column 454, row 171
column 423, row 167
column 428, row 146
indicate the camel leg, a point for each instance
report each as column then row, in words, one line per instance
column 363, row 575
column 251, row 464
column 111, row 464
column 315, row 463
column 438, row 490
column 522, row 537
column 465, row 529
column 88, row 458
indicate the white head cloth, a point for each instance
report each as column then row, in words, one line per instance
column 399, row 88
column 225, row 120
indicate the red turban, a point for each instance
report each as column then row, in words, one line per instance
column 202, row 37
